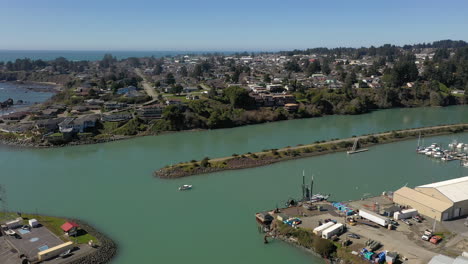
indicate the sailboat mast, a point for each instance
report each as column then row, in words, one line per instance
column 312, row 186
column 419, row 140
column 303, row 184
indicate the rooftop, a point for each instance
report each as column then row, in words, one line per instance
column 423, row 198
column 455, row 189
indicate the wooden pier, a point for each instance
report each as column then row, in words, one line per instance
column 356, row 151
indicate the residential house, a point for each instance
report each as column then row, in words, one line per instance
column 49, row 113
column 77, row 125
column 49, row 125
column 94, row 102
column 15, row 116
column 79, row 109
column 118, row 117
column 274, row 88
column 114, row 105
column 70, row 228
column 291, row 107
column 17, row 128
column 173, row 102
column 192, row 97
column 126, row 90
column 190, row 89
column 151, row 112
column 458, row 92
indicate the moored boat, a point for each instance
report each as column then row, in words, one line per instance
column 464, row 163
column 185, row 187
column 447, row 158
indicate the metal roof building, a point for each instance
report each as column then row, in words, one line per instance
column 441, row 259
column 441, row 200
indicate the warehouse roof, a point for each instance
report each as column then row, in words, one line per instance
column 456, row 189
column 441, row 259
column 422, row 198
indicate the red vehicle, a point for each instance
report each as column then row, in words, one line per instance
column 435, row 240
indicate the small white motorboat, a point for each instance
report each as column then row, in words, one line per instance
column 185, row 187
column 453, row 144
column 423, row 150
column 437, row 155
column 464, row 163
column 460, row 145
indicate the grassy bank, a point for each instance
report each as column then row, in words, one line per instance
column 266, row 157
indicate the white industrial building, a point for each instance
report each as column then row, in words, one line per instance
column 443, row 200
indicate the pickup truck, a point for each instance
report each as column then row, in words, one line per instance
column 425, row 237
column 435, row 240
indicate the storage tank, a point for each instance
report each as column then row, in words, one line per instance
column 333, row 230
column 383, row 221
column 318, row 230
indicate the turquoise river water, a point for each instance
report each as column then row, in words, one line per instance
column 111, row 185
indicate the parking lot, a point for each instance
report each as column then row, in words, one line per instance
column 8, row 255
column 33, row 241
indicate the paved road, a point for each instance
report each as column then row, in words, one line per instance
column 148, row 89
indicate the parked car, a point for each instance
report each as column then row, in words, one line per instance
column 425, row 237
column 26, row 227
column 416, row 219
column 352, row 235
column 435, row 240
column 395, row 223
column 65, row 254
column 428, row 232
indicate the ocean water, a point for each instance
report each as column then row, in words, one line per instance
column 111, row 185
column 30, row 94
column 12, row 55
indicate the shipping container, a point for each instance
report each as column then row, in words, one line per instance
column 405, row 214
column 318, row 230
column 383, row 221
column 333, row 230
column 15, row 223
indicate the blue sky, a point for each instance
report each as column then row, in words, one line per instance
column 209, row 25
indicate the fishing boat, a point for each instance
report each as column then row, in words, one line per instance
column 460, row 145
column 185, row 187
column 319, row 197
